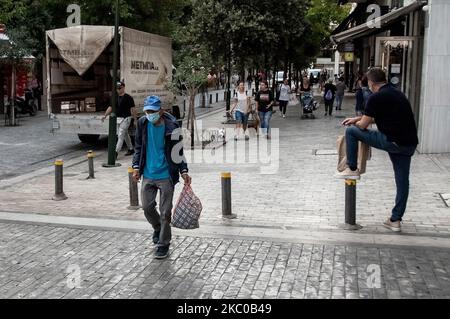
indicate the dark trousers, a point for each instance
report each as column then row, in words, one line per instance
column 159, row 221
column 283, row 105
column 400, row 157
column 329, row 106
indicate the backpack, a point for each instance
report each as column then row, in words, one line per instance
column 329, row 95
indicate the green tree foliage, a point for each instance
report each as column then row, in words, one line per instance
column 34, row 17
column 322, row 16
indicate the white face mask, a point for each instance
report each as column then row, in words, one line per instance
column 153, row 118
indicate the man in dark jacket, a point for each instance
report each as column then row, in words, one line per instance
column 160, row 160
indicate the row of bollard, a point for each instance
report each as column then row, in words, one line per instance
column 350, row 192
column 133, row 187
column 59, row 184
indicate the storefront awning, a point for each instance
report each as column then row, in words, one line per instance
column 383, row 21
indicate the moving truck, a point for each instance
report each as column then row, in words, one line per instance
column 79, row 64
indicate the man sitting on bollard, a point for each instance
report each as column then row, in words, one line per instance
column 155, row 158
column 391, row 111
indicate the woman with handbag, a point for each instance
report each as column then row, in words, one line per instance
column 241, row 104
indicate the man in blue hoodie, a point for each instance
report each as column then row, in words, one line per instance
column 159, row 159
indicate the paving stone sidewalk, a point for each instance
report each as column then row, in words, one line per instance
column 302, row 194
column 39, row 261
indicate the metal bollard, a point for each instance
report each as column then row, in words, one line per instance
column 217, row 97
column 59, row 192
column 91, row 156
column 134, row 199
column 210, row 99
column 350, row 205
column 226, row 196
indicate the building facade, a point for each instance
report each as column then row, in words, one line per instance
column 410, row 40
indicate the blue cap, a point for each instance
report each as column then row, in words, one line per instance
column 152, row 103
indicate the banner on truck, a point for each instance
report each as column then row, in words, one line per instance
column 146, row 65
column 80, row 46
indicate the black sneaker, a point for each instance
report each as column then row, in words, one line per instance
column 155, row 237
column 130, row 152
column 162, row 252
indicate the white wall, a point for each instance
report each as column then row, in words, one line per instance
column 434, row 123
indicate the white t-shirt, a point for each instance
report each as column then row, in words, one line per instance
column 241, row 102
column 284, row 92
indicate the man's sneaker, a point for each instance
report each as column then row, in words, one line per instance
column 284, row 116
column 348, row 174
column 162, row 252
column 394, row 226
column 247, row 137
column 155, row 236
column 130, row 152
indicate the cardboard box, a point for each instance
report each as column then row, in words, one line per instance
column 90, row 100
column 90, row 109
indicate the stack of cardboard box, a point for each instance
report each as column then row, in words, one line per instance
column 69, row 107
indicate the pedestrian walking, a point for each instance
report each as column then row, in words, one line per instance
column 37, row 92
column 249, row 82
column 157, row 137
column 340, row 91
column 264, row 102
column 397, row 134
column 125, row 112
column 362, row 95
column 285, row 90
column 328, row 96
column 242, row 106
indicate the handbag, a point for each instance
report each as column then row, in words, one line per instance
column 187, row 210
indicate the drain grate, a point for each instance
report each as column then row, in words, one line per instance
column 324, row 152
column 446, row 198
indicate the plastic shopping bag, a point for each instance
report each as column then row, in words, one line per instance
column 292, row 100
column 187, row 210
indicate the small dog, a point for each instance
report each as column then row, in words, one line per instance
column 254, row 121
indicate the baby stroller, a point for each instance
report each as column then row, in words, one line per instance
column 308, row 105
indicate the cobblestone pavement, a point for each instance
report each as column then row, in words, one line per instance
column 39, row 261
column 303, row 194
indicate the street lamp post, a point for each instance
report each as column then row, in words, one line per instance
column 113, row 117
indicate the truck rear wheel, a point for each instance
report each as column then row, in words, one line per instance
column 89, row 138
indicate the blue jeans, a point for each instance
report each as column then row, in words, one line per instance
column 265, row 121
column 339, row 99
column 241, row 118
column 400, row 157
